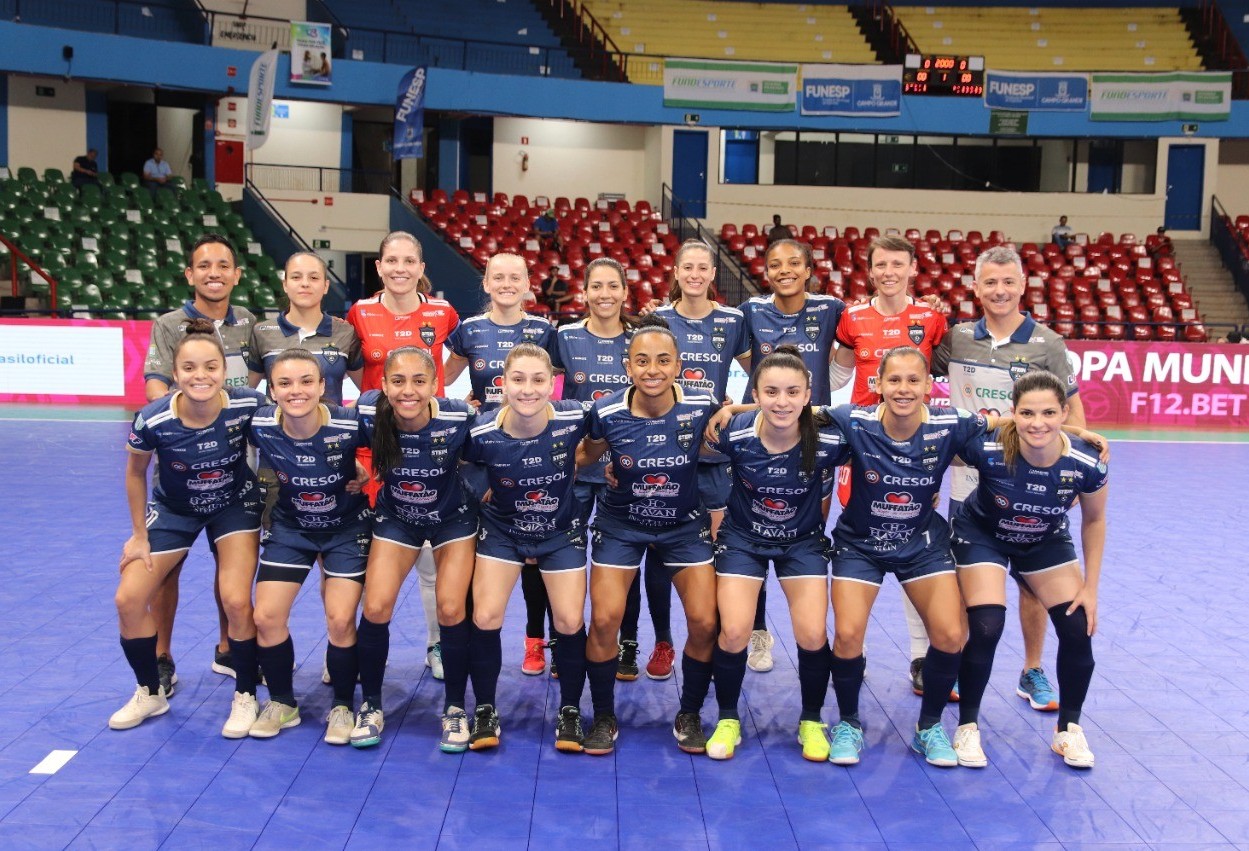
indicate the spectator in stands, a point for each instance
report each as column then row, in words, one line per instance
column 1062, row 235
column 555, row 291
column 1159, row 244
column 86, row 170
column 156, row 172
column 778, row 231
column 1233, row 337
column 547, row 229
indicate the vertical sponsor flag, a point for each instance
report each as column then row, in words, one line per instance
column 410, row 116
column 715, row 84
column 310, row 53
column 851, row 90
column 1174, row 96
column 260, row 98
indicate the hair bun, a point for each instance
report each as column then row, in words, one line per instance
column 787, row 349
column 652, row 320
column 200, row 325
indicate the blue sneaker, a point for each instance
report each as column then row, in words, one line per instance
column 847, row 744
column 934, row 746
column 1035, row 688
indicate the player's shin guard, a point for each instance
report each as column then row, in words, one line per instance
column 1075, row 661
column 729, row 669
column 984, row 630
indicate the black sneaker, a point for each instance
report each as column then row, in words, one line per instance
column 168, row 676
column 223, row 664
column 553, row 668
column 917, row 676
column 601, row 740
column 688, row 729
column 627, row 661
column 485, row 729
column 568, row 734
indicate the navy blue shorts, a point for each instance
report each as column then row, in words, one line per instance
column 560, row 552
column 389, row 528
column 587, row 494
column 714, row 485
column 737, row 555
column 289, row 552
column 621, row 546
column 856, row 566
column 171, row 532
column 972, row 545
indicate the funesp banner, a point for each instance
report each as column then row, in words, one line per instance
column 1174, row 96
column 852, row 90
column 1036, row 92
column 410, row 116
column 310, row 53
column 716, row 84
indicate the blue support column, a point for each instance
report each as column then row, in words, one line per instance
column 345, row 153
column 450, row 154
column 97, row 126
column 4, row 123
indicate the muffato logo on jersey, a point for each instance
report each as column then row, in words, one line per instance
column 900, row 505
column 656, row 485
column 773, row 509
column 210, row 480
column 536, row 500
column 415, row 493
column 314, row 502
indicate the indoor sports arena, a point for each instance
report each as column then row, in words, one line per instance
column 660, row 395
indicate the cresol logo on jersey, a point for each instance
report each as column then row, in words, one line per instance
column 62, row 360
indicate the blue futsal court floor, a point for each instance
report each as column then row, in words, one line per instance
column 1167, row 713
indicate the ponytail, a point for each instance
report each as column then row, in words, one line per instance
column 387, row 454
column 808, row 439
column 1008, row 436
column 1029, row 382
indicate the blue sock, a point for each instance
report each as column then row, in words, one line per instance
column 455, row 639
column 485, row 660
column 372, row 648
column 344, row 668
column 141, row 654
column 696, row 682
column 729, row 671
column 278, row 663
column 814, row 668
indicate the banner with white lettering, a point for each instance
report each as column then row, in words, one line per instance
column 715, row 84
column 310, row 53
column 1162, row 385
column 410, row 116
column 851, row 90
column 1174, row 96
column 260, row 98
column 1036, row 92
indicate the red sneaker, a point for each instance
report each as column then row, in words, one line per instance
column 535, row 657
column 660, row 665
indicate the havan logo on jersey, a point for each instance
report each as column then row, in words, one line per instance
column 896, row 504
column 889, row 536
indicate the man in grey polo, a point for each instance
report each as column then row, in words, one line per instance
column 212, row 272
column 983, row 360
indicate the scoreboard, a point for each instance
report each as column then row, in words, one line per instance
column 950, row 76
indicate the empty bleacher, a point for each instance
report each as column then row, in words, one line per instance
column 633, row 234
column 117, row 252
column 1106, row 288
column 703, row 29
column 1056, row 38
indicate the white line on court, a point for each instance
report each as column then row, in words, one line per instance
column 53, row 762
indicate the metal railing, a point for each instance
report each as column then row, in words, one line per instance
column 311, row 178
column 733, row 281
column 1232, row 246
column 17, row 258
column 595, row 45
column 289, row 230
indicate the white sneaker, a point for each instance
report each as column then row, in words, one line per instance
column 1073, row 747
column 369, row 725
column 760, row 658
column 273, row 719
column 243, row 713
column 339, row 725
column 967, row 746
column 139, row 708
column 455, row 731
column 433, row 660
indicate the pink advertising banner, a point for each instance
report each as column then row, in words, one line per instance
column 59, row 361
column 1163, row 385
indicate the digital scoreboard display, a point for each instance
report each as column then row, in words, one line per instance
column 950, row 76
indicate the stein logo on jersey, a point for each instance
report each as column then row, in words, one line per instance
column 331, row 354
column 428, row 336
column 685, row 436
column 811, row 325
column 915, row 331
column 718, row 338
column 1018, row 368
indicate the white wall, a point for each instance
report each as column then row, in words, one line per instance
column 1233, row 176
column 351, row 222
column 311, row 135
column 175, row 134
column 46, row 132
column 576, row 159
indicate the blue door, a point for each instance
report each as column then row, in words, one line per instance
column 689, row 172
column 1186, row 166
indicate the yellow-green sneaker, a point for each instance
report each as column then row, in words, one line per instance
column 725, row 739
column 274, row 717
column 813, row 736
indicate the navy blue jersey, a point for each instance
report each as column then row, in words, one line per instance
column 531, row 478
column 772, row 499
column 891, row 516
column 426, row 488
column 708, row 347
column 655, row 461
column 813, row 330
column 593, row 368
column 485, row 344
column 313, row 474
column 199, row 470
column 1028, row 504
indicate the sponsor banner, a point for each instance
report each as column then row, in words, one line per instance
column 851, row 90
column 1175, row 96
column 310, row 53
column 410, row 116
column 73, row 360
column 260, row 98
column 715, row 84
column 1036, row 92
column 1162, row 385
